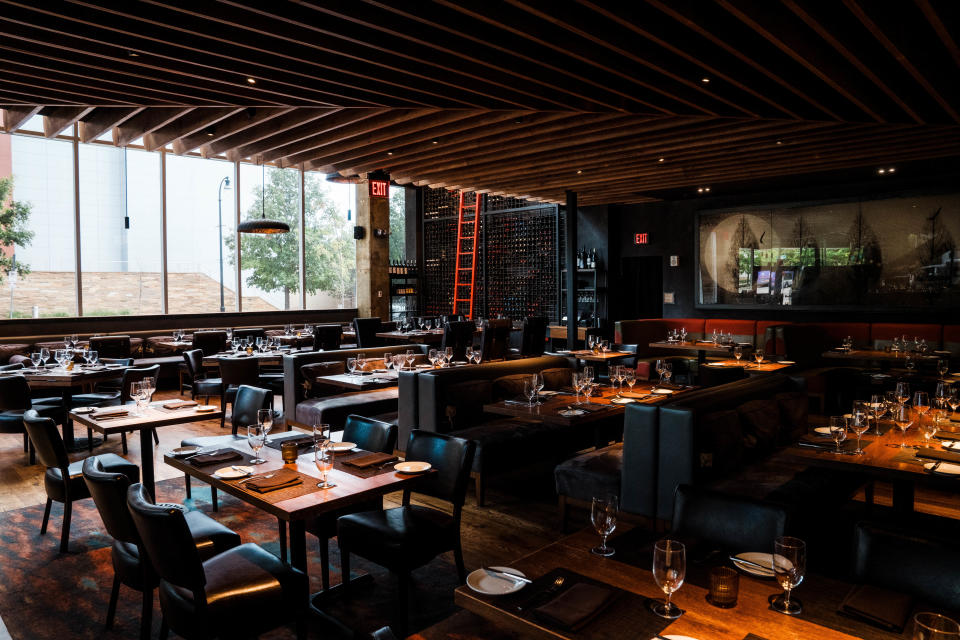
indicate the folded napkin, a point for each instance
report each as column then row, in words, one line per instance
column 880, row 607
column 369, row 460
column 274, row 480
column 592, row 408
column 179, row 404
column 576, row 606
column 215, row 457
column 109, row 412
column 947, row 435
column 827, row 444
column 938, row 454
column 303, row 441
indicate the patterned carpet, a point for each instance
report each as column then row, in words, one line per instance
column 46, row 595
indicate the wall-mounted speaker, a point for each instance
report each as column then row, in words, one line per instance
column 359, row 233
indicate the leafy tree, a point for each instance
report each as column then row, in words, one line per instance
column 398, row 216
column 275, row 258
column 13, row 229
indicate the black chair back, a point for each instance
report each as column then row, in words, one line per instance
column 366, row 329
column 494, row 339
column 210, row 342
column 369, row 434
column 533, row 338
column 136, row 375
column 452, row 458
column 453, row 317
column 111, row 346
column 168, row 542
column 16, row 366
column 14, row 394
column 254, row 333
column 732, row 523
column 47, row 441
column 715, row 376
column 125, row 362
column 194, row 361
column 327, row 337
column 237, row 371
column 109, row 493
column 249, row 400
column 458, row 336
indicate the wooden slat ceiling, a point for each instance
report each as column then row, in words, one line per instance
column 618, row 101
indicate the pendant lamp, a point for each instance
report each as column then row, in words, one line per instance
column 263, row 224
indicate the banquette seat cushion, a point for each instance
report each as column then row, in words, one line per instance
column 333, row 410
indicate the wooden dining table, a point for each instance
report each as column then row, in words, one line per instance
column 369, row 380
column 430, row 336
column 601, row 357
column 270, row 358
column 749, row 367
column 701, row 348
column 154, row 416
column 628, row 615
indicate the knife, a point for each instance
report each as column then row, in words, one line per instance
column 750, row 563
column 503, row 575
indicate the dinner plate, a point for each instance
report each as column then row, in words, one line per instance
column 765, row 559
column 548, row 392
column 206, row 408
column 412, row 467
column 232, row 473
column 571, row 413
column 634, row 394
column 823, row 431
column 482, row 582
column 184, row 451
column 662, row 392
column 945, row 468
column 786, row 362
column 339, row 447
column 951, row 444
column 82, row 410
column 424, row 366
column 622, row 400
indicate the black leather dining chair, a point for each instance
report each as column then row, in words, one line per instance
column 15, row 401
column 735, row 524
column 370, row 435
column 242, row 592
column 248, row 401
column 119, row 397
column 63, row 480
column 533, row 337
column 458, row 336
column 410, row 536
column 200, row 384
column 130, row 567
column 210, row 342
column 111, row 346
column 235, row 372
column 494, row 339
column 327, row 337
column 366, row 330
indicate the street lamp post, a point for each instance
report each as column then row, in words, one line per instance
column 224, row 184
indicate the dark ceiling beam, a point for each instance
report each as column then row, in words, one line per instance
column 941, row 29
column 16, row 117
column 147, row 122
column 104, row 119
column 299, row 117
column 241, row 121
column 58, row 119
column 195, row 121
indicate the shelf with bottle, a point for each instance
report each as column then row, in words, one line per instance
column 403, row 291
column 402, row 269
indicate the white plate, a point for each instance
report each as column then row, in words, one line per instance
column 717, row 364
column 339, row 447
column 231, row 473
column 662, row 392
column 622, row 400
column 570, row 413
column 205, row 408
column 482, row 582
column 786, row 362
column 546, row 393
column 184, row 451
column 425, row 366
column 675, row 637
column 823, row 431
column 412, row 467
column 459, row 362
column 945, row 468
column 951, row 444
column 82, row 410
column 765, row 559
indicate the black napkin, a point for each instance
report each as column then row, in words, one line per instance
column 215, row 457
column 575, row 607
column 938, row 454
column 369, row 460
column 592, row 408
column 273, row 481
column 879, row 607
column 304, row 441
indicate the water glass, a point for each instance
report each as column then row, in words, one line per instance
column 737, row 352
column 859, row 425
column 943, row 368
column 575, row 383
column 469, row 354
column 265, row 420
column 323, row 458
column 838, row 431
column 669, row 571
column 410, row 356
column 36, row 360
column 758, row 356
column 903, row 418
column 432, row 357
column 724, row 587
column 448, row 355
column 933, row 626
column 537, row 379
column 603, row 516
column 529, row 391
column 256, row 438
column 902, row 392
column 789, row 568
column 631, row 378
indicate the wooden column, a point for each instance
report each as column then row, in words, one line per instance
column 373, row 255
column 571, row 264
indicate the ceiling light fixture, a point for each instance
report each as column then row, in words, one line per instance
column 881, row 171
column 891, row 169
column 660, row 159
column 705, row 80
column 133, row 54
column 263, row 224
column 579, row 171
column 252, row 80
column 700, row 190
column 434, row 141
column 389, row 153
column 779, row 141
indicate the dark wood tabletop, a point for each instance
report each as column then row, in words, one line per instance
column 78, row 377
column 749, row 366
column 699, row 347
column 880, row 355
column 590, row 356
column 370, row 380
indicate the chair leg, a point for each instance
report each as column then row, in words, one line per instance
column 403, row 604
column 26, row 442
column 146, row 614
column 223, row 411
column 123, row 442
column 156, row 438
column 46, row 517
column 213, row 498
column 164, row 629
column 480, row 488
column 90, row 440
column 562, row 508
column 65, row 532
column 344, row 570
column 282, row 526
column 114, row 594
column 324, row 562
column 33, row 454
column 186, row 482
column 458, row 558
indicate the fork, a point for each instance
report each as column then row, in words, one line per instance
column 543, row 594
column 266, row 477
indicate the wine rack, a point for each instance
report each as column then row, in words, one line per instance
column 518, row 260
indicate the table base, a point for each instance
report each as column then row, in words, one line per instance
column 84, row 444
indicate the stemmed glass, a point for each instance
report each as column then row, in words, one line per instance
column 683, row 334
column 909, row 362
column 529, row 390
column 931, row 427
column 352, row 366
column 603, row 516
column 903, row 418
column 954, row 399
column 921, row 404
column 737, row 352
column 469, row 354
column 631, row 378
column 902, row 392
column 149, row 384
column 265, row 420
column 858, row 423
column 576, row 384
column 789, row 567
column 669, row 571
column 410, row 358
column 941, row 394
column 659, row 367
column 838, row 431
column 667, row 373
column 323, row 458
column 448, row 355
column 877, row 409
column 537, row 379
column 138, row 394
column 230, row 334
column 44, row 355
column 432, row 357
column 587, row 375
column 943, row 368
column 591, row 341
column 35, row 359
column 255, row 438
column 604, row 346
column 758, row 356
column 933, row 626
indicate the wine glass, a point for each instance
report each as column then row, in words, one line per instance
column 903, row 418
column 658, row 367
column 604, row 346
column 323, row 458
column 902, row 392
column 909, row 362
column 255, row 438
column 878, row 407
column 954, row 399
column 683, row 334
column 587, row 374
column 859, row 424
column 529, row 390
column 931, row 427
column 667, row 372
column 410, row 358
column 838, row 431
column 591, row 340
column 943, row 368
column 352, row 366
column 631, row 378
column 575, row 383
column 44, row 355
column 538, row 383
column 921, row 404
column 933, row 626
column 588, row 390
column 738, row 352
column 265, row 420
column 432, row 357
column 669, row 571
column 789, row 567
column 149, row 387
column 35, row 359
column 941, row 394
column 468, row 353
column 603, row 516
column 138, row 395
column 758, row 356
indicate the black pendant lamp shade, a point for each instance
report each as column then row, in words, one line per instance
column 263, row 225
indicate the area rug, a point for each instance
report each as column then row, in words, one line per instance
column 48, row 595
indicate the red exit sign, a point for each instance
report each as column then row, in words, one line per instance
column 640, row 238
column 379, row 189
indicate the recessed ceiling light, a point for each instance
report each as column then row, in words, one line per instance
column 389, row 153
column 133, row 54
column 891, row 169
column 881, row 171
column 434, row 141
column 706, row 189
column 705, row 80
column 252, row 80
column 700, row 190
column 579, row 171
column 779, row 141
column 660, row 159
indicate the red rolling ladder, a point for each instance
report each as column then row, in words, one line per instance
column 464, row 278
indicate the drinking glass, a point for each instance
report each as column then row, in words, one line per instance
column 323, row 458
column 587, row 374
column 895, row 344
column 909, row 362
column 432, row 357
column 138, row 395
column 529, row 391
column 538, row 383
column 902, row 392
column 361, row 363
column 575, row 383
column 683, row 334
column 149, row 387
column 738, row 352
column 758, row 356
column 604, row 345
column 941, row 394
column 265, row 420
column 448, row 355
column 954, row 399
column 255, row 438
column 352, row 366
column 588, row 390
column 667, row 372
column 603, row 515
column 933, row 626
column 35, row 359
column 921, row 404
column 859, row 424
column 66, row 342
column 631, row 378
column 410, row 358
column 658, row 367
column 903, row 418
column 943, row 368
column 838, row 431
column 789, row 567
column 469, row 354
column 930, row 429
column 669, row 570
column 591, row 340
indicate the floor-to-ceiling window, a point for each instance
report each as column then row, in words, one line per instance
column 331, row 251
